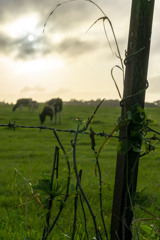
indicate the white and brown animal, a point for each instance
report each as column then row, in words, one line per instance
column 23, row 102
column 34, row 105
column 51, row 108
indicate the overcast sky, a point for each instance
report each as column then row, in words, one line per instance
column 63, row 59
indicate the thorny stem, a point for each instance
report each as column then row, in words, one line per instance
column 75, row 207
column 84, row 215
column 80, row 186
column 55, row 133
column 90, row 119
column 152, row 130
column 100, row 198
column 55, row 165
column 67, row 191
column 56, row 155
column 108, row 138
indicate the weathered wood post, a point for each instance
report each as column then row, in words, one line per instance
column 135, row 85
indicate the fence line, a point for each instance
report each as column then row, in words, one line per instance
column 14, row 126
column 50, row 225
column 101, row 134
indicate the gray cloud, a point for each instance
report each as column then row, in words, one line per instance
column 67, row 18
column 75, row 47
column 5, row 44
column 29, row 50
column 21, row 48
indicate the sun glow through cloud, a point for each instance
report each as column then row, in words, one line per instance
column 30, row 38
column 23, row 26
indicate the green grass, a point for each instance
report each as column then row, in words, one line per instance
column 25, row 154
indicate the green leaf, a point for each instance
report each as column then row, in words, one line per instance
column 124, row 146
column 137, row 149
column 139, row 117
column 136, row 135
column 45, row 202
column 129, row 115
column 149, row 146
column 149, row 232
column 57, row 189
column 43, row 185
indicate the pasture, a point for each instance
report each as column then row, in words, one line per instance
column 26, row 155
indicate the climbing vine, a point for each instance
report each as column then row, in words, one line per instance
column 138, row 124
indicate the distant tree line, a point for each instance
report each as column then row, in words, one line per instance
column 106, row 103
column 112, row 103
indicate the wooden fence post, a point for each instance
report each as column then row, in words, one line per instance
column 135, row 84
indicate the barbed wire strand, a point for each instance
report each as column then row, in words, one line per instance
column 70, row 131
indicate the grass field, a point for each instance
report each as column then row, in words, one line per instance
column 26, row 155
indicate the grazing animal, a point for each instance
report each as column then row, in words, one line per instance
column 23, row 102
column 51, row 109
column 34, row 105
column 47, row 111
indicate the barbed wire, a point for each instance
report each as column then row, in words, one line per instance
column 70, row 131
column 14, row 126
